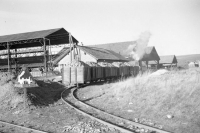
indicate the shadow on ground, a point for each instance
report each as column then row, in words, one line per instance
column 48, row 92
column 45, row 94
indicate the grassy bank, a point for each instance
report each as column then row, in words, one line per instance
column 8, row 95
column 175, row 93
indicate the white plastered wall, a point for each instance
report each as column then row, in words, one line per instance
column 85, row 57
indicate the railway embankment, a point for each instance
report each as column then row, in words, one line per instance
column 169, row 101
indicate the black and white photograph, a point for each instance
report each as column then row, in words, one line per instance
column 99, row 66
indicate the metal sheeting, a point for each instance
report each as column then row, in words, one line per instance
column 99, row 53
column 27, row 35
column 150, row 54
column 121, row 47
column 168, row 59
column 118, row 47
column 56, row 36
column 103, row 54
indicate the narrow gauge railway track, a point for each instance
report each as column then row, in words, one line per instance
column 123, row 125
column 10, row 127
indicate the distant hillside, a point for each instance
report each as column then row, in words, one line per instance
column 183, row 60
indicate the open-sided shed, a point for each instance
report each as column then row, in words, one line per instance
column 10, row 45
column 166, row 61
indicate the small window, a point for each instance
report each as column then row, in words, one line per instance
column 84, row 53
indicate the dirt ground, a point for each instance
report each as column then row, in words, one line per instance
column 47, row 112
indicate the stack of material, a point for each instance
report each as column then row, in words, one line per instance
column 103, row 64
column 76, row 64
column 117, row 64
column 36, row 73
column 92, row 64
column 126, row 64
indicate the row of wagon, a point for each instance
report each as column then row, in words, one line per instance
column 81, row 74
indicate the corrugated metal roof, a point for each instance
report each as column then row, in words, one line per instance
column 27, row 35
column 103, row 54
column 121, row 47
column 168, row 59
column 118, row 47
column 56, row 37
column 150, row 54
column 98, row 53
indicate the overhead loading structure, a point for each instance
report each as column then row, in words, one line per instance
column 32, row 49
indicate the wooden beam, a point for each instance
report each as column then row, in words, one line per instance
column 157, row 64
column 16, row 61
column 147, row 63
column 8, row 49
column 45, row 57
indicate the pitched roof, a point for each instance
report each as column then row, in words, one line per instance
column 150, row 54
column 121, row 47
column 56, row 36
column 98, row 53
column 118, row 47
column 103, row 54
column 168, row 59
column 27, row 35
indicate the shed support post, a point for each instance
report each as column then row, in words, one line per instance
column 70, row 48
column 16, row 61
column 79, row 54
column 140, row 64
column 74, row 52
column 147, row 63
column 157, row 64
column 45, row 57
column 8, row 49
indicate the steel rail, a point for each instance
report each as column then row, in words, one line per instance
column 125, row 130
column 22, row 127
column 123, row 119
column 94, row 118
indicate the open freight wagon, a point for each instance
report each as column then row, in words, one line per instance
column 83, row 74
column 75, row 75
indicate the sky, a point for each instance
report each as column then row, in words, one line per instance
column 174, row 24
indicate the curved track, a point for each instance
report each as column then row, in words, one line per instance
column 103, row 117
column 17, row 128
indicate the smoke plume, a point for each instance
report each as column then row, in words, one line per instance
column 137, row 50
